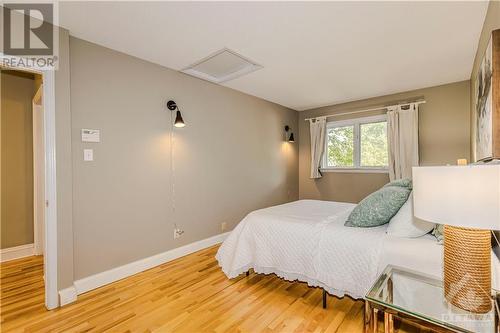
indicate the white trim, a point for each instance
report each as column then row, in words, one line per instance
column 121, row 272
column 67, row 295
column 50, row 252
column 354, row 121
column 38, row 172
column 356, row 124
column 16, row 252
column 354, row 170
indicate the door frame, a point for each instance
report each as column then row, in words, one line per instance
column 50, row 245
column 38, row 173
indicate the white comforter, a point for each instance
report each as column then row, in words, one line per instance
column 306, row 240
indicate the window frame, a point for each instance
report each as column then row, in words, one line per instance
column 356, row 123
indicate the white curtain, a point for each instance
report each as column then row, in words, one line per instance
column 317, row 127
column 402, row 134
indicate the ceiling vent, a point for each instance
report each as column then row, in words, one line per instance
column 221, row 66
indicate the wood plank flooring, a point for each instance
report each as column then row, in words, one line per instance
column 190, row 294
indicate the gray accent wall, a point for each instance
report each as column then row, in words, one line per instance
column 230, row 159
column 444, row 136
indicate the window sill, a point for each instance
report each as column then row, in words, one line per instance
column 355, row 170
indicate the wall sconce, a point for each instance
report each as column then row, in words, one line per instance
column 179, row 122
column 289, row 138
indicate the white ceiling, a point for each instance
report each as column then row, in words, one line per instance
column 312, row 53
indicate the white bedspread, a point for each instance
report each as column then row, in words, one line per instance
column 306, row 240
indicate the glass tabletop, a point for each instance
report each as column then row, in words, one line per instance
column 422, row 296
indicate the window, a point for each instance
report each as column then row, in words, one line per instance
column 340, row 146
column 358, row 144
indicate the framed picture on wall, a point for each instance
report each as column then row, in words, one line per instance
column 487, row 102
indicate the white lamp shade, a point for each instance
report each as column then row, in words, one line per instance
column 461, row 196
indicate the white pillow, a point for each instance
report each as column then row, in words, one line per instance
column 405, row 224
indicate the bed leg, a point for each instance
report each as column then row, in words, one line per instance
column 248, row 273
column 324, row 299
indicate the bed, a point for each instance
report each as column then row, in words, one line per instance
column 306, row 240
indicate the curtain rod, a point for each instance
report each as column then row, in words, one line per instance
column 367, row 110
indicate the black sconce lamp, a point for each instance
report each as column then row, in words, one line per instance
column 289, row 138
column 179, row 122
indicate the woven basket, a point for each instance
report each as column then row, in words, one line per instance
column 467, row 268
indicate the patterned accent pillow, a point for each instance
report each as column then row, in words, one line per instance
column 401, row 183
column 379, row 207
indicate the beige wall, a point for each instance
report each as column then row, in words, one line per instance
column 443, row 138
column 230, row 159
column 17, row 92
column 491, row 22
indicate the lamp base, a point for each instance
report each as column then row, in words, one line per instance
column 467, row 268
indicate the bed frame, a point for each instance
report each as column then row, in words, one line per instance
column 324, row 292
column 495, row 243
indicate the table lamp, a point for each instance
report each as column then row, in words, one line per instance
column 466, row 199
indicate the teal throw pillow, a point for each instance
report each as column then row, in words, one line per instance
column 401, row 183
column 379, row 207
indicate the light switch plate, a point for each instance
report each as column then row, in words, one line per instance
column 91, row 135
column 88, row 155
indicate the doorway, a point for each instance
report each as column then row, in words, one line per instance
column 23, row 156
column 22, row 164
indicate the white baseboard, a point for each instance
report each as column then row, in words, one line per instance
column 67, row 295
column 16, row 252
column 118, row 273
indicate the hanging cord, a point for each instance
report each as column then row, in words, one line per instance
column 172, row 167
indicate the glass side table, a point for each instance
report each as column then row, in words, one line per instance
column 416, row 298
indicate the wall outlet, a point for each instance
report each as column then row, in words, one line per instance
column 223, row 226
column 178, row 233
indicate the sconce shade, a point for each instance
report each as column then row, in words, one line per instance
column 179, row 122
column 289, row 138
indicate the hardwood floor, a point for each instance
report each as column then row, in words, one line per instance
column 190, row 294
